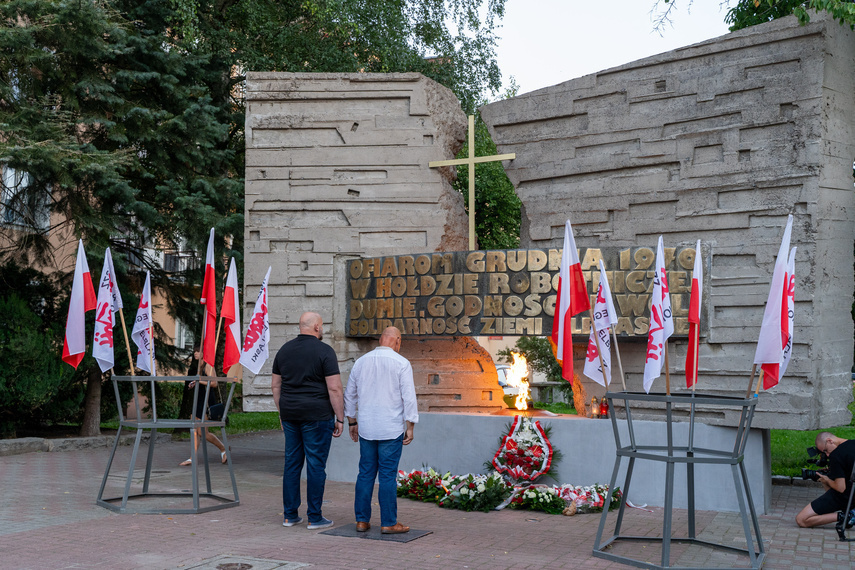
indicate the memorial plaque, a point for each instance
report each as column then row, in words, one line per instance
column 506, row 292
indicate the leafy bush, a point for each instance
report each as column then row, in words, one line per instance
column 31, row 373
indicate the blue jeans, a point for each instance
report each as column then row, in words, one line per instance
column 378, row 456
column 307, row 442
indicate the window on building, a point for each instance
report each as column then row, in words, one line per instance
column 19, row 205
column 183, row 336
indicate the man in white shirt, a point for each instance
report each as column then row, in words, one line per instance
column 381, row 387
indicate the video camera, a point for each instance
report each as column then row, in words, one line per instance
column 820, row 460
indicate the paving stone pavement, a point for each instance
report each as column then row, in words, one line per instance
column 49, row 520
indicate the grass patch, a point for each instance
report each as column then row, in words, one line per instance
column 556, row 407
column 239, row 422
column 789, row 447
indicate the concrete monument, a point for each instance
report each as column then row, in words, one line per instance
column 717, row 141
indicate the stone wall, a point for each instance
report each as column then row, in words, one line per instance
column 719, row 141
column 336, row 168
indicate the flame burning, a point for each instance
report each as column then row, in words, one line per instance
column 516, row 376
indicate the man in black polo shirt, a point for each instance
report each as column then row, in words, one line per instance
column 841, row 458
column 307, row 391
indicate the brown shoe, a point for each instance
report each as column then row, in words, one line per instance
column 362, row 526
column 397, row 529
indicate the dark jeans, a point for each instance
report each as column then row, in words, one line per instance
column 376, row 456
column 307, row 442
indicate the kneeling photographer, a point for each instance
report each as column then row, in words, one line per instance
column 841, row 457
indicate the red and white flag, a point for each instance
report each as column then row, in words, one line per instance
column 82, row 299
column 774, row 330
column 791, row 309
column 604, row 317
column 694, row 319
column 230, row 313
column 661, row 321
column 143, row 333
column 109, row 301
column 209, row 299
column 255, row 353
column 572, row 299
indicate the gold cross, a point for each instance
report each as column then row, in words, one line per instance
column 471, row 161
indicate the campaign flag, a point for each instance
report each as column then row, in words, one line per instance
column 254, row 353
column 230, row 313
column 572, row 299
column 209, row 299
column 109, row 301
column 82, row 300
column 604, row 317
column 142, row 334
column 791, row 309
column 774, row 330
column 661, row 321
column 694, row 318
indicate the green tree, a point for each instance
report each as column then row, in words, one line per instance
column 125, row 117
column 497, row 206
column 28, row 333
column 119, row 137
column 747, row 13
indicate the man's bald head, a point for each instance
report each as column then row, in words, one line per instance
column 391, row 337
column 312, row 323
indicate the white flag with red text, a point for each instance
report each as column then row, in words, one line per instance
column 109, row 301
column 604, row 317
column 82, row 300
column 209, row 299
column 694, row 319
column 572, row 299
column 143, row 333
column 230, row 313
column 661, row 321
column 773, row 331
column 254, row 353
column 791, row 310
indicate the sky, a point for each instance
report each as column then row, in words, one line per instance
column 546, row 42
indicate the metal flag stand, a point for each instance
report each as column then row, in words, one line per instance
column 126, row 503
column 691, row 455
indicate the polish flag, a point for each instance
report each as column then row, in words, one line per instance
column 775, row 330
column 604, row 317
column 230, row 312
column 791, row 309
column 109, row 301
column 661, row 321
column 694, row 319
column 572, row 299
column 209, row 299
column 255, row 353
column 82, row 299
column 143, row 333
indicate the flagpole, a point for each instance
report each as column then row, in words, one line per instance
column 599, row 350
column 751, row 380
column 216, row 344
column 620, row 365
column 667, row 371
column 150, row 329
column 759, row 383
column 127, row 344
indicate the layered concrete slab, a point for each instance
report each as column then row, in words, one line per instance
column 720, row 141
column 336, row 168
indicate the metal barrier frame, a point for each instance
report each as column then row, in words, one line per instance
column 123, row 504
column 691, row 455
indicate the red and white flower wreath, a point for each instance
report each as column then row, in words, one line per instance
column 525, row 453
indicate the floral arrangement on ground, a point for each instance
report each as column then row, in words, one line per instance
column 476, row 492
column 525, row 455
